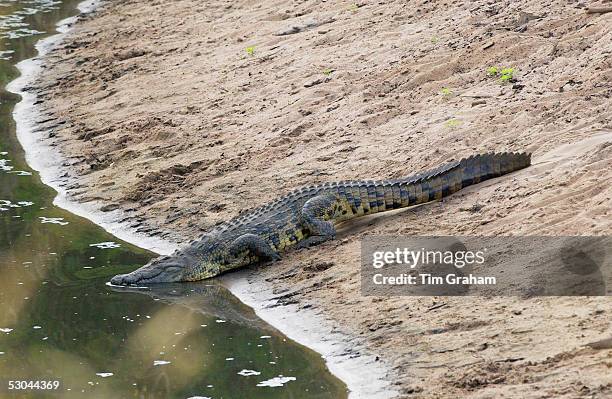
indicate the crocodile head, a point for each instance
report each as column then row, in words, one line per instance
column 165, row 269
column 202, row 259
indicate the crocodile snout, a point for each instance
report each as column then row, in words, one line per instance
column 164, row 269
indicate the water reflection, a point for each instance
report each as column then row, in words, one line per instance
column 208, row 298
column 58, row 319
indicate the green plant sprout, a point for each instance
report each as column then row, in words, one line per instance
column 446, row 92
column 353, row 7
column 435, row 39
column 250, row 50
column 327, row 71
column 505, row 74
column 453, row 123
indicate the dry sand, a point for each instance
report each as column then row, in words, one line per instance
column 161, row 111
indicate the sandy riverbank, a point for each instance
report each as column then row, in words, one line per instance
column 163, row 114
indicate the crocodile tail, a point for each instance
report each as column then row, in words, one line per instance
column 368, row 197
column 378, row 196
column 452, row 177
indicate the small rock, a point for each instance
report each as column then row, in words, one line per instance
column 413, row 389
column 132, row 53
column 109, row 207
column 601, row 344
column 315, row 82
column 312, row 23
column 319, row 266
column 482, row 347
column 525, row 17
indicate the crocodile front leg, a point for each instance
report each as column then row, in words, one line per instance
column 316, row 215
column 252, row 245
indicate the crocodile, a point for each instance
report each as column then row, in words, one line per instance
column 309, row 215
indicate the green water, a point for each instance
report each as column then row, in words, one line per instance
column 58, row 319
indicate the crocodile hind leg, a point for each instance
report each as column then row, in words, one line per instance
column 316, row 215
column 253, row 245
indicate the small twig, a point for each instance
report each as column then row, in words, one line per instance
column 290, row 104
column 598, row 10
column 436, row 307
column 510, row 360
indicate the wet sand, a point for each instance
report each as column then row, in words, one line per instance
column 181, row 115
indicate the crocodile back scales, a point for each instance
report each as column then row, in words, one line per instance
column 279, row 223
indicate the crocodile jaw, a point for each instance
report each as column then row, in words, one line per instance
column 160, row 270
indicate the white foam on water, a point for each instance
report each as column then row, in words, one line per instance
column 248, row 373
column 276, row 381
column 6, row 204
column 160, row 362
column 46, row 220
column 106, row 245
column 4, row 166
column 21, row 173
